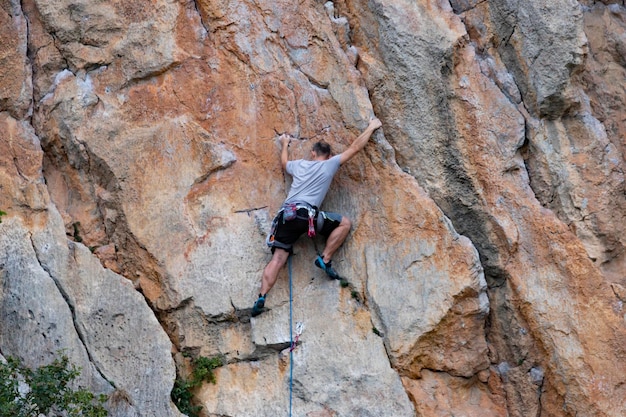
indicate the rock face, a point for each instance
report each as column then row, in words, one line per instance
column 139, row 173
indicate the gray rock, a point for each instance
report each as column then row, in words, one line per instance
column 542, row 43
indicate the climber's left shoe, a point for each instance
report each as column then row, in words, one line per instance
column 326, row 267
column 258, row 306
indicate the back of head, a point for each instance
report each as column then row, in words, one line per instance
column 321, row 148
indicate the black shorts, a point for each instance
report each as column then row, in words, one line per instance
column 288, row 232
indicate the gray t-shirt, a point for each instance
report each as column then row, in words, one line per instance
column 311, row 180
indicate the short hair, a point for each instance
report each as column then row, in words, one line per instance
column 321, row 148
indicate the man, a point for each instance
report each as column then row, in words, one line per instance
column 300, row 214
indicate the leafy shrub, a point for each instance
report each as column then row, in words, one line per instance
column 182, row 393
column 182, row 396
column 76, row 235
column 49, row 392
column 2, row 213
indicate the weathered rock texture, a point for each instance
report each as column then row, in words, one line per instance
column 139, row 173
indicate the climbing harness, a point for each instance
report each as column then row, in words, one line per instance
column 319, row 221
column 289, row 212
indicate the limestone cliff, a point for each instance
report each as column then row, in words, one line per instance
column 139, row 171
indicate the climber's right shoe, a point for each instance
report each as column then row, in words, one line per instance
column 258, row 306
column 326, row 267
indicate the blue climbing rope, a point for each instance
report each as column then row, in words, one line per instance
column 290, row 337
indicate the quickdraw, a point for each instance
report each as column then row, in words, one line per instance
column 311, row 232
column 294, row 342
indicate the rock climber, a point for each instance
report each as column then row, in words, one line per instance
column 299, row 213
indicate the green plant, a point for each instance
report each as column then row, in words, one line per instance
column 203, row 369
column 49, row 391
column 182, row 393
column 344, row 283
column 182, row 396
column 76, row 235
column 2, row 213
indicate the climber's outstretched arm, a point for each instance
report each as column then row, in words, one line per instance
column 284, row 153
column 360, row 142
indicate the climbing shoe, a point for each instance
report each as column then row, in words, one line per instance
column 326, row 267
column 258, row 306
